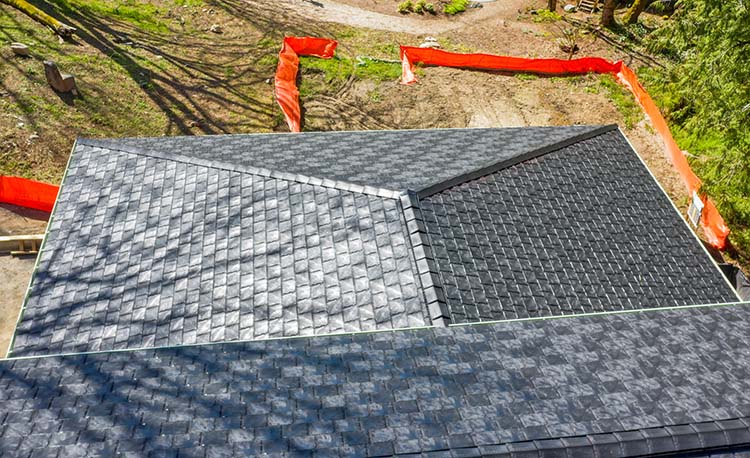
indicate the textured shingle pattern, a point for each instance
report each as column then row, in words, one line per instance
column 428, row 273
column 583, row 229
column 397, row 160
column 147, row 252
column 618, row 385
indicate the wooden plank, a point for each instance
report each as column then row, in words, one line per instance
column 13, row 238
column 15, row 244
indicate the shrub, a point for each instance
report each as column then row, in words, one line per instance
column 405, row 7
column 546, row 16
column 430, row 8
column 456, row 6
column 419, row 7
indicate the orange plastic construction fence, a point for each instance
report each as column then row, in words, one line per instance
column 27, row 193
column 287, row 94
column 714, row 228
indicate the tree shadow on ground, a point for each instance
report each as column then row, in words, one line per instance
column 203, row 83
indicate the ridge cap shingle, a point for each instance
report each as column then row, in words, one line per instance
column 505, row 163
column 325, row 182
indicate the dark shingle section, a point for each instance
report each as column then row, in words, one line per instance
column 147, row 252
column 616, row 385
column 396, row 160
column 582, row 229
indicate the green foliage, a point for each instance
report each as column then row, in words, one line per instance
column 706, row 94
column 659, row 7
column 187, row 3
column 623, row 100
column 456, row 6
column 546, row 16
column 419, row 7
column 430, row 8
column 405, row 7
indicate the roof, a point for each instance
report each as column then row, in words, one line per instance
column 614, row 385
column 147, row 252
column 238, row 295
column 579, row 230
column 390, row 160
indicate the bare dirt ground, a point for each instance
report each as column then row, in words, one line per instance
column 15, row 272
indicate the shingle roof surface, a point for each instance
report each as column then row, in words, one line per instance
column 614, row 385
column 145, row 252
column 185, row 240
column 396, row 160
column 579, row 230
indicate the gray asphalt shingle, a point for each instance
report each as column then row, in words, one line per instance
column 396, row 160
column 614, row 385
column 579, row 230
column 147, row 252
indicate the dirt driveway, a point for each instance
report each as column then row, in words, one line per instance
column 383, row 15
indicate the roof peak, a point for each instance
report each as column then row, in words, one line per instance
column 378, row 163
column 504, row 163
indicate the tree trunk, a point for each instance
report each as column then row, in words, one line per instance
column 631, row 16
column 552, row 5
column 608, row 13
column 40, row 16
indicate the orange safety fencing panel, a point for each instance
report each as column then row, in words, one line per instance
column 714, row 228
column 27, row 193
column 432, row 56
column 287, row 94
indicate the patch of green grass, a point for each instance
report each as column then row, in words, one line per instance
column 388, row 49
column 269, row 60
column 268, row 43
column 575, row 80
column 526, row 76
column 455, row 7
column 145, row 16
column 189, row 2
column 334, row 71
column 623, row 100
column 341, row 68
column 546, row 16
column 378, row 71
column 348, row 32
column 592, row 89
